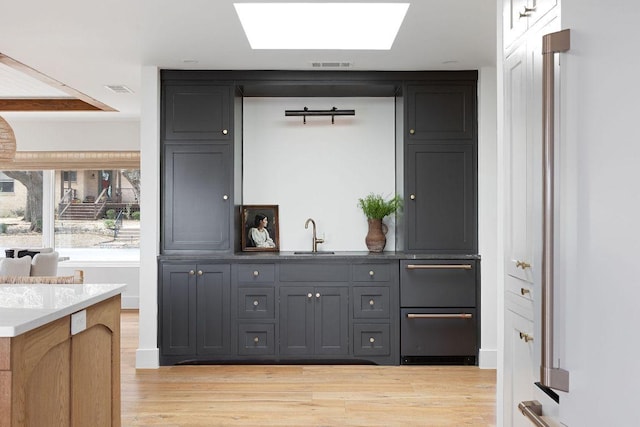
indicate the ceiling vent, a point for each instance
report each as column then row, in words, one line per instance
column 331, row 64
column 118, row 89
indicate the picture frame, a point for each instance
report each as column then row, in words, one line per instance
column 256, row 240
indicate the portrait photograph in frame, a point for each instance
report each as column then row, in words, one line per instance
column 260, row 230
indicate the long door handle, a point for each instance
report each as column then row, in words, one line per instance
column 439, row 267
column 439, row 316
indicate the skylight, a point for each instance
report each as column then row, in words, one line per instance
column 335, row 26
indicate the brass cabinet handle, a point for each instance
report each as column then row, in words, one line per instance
column 522, row 264
column 524, row 291
column 526, row 12
column 439, row 316
column 526, row 337
column 439, row 266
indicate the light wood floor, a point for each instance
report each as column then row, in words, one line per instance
column 292, row 395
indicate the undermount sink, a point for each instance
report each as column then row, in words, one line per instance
column 313, row 253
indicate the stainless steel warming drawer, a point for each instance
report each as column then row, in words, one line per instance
column 428, row 332
column 438, row 283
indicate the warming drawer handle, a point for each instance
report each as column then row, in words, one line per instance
column 439, row 316
column 532, row 409
column 439, row 266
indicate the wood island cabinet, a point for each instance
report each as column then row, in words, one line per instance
column 49, row 376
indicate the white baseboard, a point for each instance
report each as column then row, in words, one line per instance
column 147, row 358
column 130, row 303
column 488, row 359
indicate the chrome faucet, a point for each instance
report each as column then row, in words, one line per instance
column 315, row 240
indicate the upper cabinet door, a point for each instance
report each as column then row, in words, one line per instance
column 441, row 112
column 197, row 112
column 520, row 15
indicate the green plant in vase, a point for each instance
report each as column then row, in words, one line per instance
column 376, row 208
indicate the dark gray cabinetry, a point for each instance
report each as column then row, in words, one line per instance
column 194, row 310
column 314, row 320
column 196, row 201
column 197, row 111
column 440, row 156
column 440, row 309
column 279, row 311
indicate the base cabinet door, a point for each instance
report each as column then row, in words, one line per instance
column 314, row 321
column 195, row 315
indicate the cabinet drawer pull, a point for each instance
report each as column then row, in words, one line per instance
column 225, row 131
column 256, row 340
column 256, row 273
column 191, row 272
column 309, row 295
column 200, row 273
column 256, row 303
column 439, row 267
column 439, row 316
column 372, row 273
column 317, row 294
column 372, row 340
column 524, row 291
column 412, row 131
column 372, row 302
column 523, row 265
column 225, row 197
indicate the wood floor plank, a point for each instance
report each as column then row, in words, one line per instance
column 302, row 395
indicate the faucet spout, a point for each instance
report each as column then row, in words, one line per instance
column 315, row 240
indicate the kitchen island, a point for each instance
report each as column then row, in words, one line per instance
column 60, row 355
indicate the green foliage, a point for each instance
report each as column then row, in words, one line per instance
column 375, row 207
column 136, row 215
column 111, row 214
column 109, row 223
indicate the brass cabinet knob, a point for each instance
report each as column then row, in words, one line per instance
column 412, row 197
column 255, row 303
column 225, row 131
column 412, row 131
column 522, row 264
column 372, row 302
column 524, row 291
column 372, row 340
column 526, row 337
column 256, row 273
column 191, row 272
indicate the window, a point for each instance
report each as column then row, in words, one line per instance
column 6, row 184
column 102, row 188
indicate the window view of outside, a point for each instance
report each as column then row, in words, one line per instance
column 96, row 213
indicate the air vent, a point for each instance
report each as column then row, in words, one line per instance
column 331, row 64
column 118, row 89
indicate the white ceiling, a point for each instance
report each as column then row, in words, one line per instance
column 90, row 44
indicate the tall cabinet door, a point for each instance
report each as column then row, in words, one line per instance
column 197, row 205
column 213, row 297
column 296, row 320
column 441, row 205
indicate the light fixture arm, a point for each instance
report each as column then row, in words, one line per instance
column 332, row 112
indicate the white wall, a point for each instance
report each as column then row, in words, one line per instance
column 599, row 241
column 319, row 170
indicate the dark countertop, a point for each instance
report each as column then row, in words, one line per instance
column 321, row 255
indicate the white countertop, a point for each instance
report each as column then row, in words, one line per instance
column 26, row 307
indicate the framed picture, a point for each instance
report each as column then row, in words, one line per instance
column 260, row 228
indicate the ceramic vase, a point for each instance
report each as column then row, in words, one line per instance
column 376, row 236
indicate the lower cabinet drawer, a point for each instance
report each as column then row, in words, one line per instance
column 371, row 339
column 438, row 332
column 371, row 302
column 256, row 302
column 256, row 339
column 443, row 283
